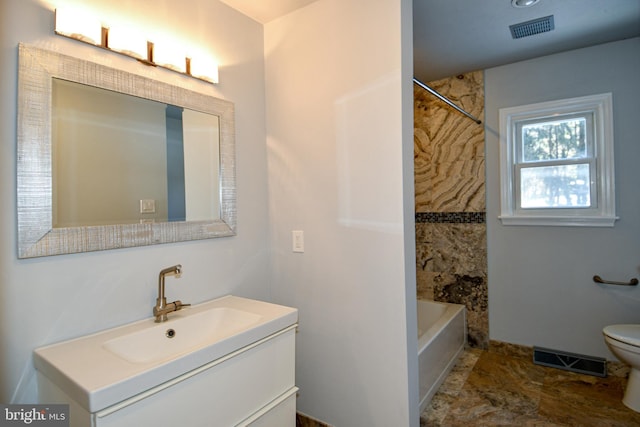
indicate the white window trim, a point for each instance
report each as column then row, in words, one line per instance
column 602, row 215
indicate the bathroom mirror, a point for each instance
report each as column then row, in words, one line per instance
column 159, row 167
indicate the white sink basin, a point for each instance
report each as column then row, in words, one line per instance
column 102, row 369
column 181, row 335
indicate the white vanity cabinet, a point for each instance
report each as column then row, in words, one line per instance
column 254, row 385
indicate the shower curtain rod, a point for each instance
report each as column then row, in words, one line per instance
column 446, row 100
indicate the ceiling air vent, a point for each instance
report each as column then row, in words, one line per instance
column 531, row 28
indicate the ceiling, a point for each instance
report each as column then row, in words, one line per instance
column 455, row 36
column 266, row 10
column 451, row 37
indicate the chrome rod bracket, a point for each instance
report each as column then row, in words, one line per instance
column 632, row 282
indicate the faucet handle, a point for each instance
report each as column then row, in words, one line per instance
column 179, row 305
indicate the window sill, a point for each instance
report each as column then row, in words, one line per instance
column 560, row 221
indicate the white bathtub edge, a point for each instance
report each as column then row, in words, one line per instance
column 443, row 375
column 443, row 325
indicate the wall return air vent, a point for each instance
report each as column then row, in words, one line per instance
column 531, row 28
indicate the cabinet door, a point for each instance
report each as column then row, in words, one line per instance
column 222, row 395
column 279, row 413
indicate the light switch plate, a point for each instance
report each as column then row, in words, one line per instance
column 147, row 206
column 298, row 240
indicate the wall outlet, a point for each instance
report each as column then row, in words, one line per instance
column 298, row 240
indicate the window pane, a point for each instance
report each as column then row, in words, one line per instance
column 554, row 140
column 565, row 186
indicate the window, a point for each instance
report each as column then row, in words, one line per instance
column 557, row 163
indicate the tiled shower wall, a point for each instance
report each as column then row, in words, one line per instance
column 451, row 252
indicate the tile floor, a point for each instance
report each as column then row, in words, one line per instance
column 494, row 388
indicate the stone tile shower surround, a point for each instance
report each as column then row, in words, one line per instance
column 451, row 248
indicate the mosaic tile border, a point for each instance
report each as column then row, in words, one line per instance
column 451, row 217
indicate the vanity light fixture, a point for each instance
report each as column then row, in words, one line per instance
column 79, row 25
column 170, row 55
column 128, row 42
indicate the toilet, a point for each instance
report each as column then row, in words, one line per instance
column 624, row 343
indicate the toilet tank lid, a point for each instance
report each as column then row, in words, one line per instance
column 629, row 334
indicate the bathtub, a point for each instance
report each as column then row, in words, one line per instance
column 441, row 339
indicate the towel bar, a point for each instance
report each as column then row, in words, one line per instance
column 632, row 282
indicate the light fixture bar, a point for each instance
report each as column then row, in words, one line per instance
column 85, row 28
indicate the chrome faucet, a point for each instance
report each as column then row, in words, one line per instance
column 161, row 309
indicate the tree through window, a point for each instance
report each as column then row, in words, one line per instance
column 555, row 163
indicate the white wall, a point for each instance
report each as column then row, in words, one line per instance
column 202, row 195
column 339, row 127
column 540, row 278
column 49, row 299
column 83, row 146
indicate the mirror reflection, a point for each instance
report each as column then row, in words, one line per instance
column 120, row 159
column 108, row 159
